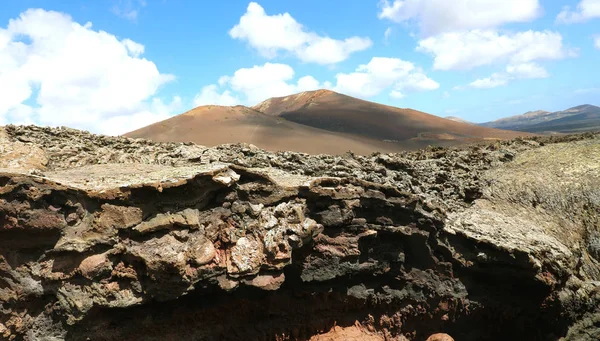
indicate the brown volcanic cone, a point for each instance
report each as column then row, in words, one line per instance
column 317, row 122
column 213, row 125
column 332, row 111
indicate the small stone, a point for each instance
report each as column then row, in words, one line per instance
column 440, row 337
column 201, row 251
column 255, row 209
column 72, row 218
column 227, row 178
column 93, row 265
column 120, row 217
column 245, row 257
column 227, row 284
column 181, row 235
column 238, row 208
column 266, row 282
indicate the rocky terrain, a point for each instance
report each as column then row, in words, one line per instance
column 107, row 238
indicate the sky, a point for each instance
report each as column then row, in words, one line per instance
column 112, row 66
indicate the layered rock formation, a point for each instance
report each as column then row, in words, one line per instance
column 119, row 239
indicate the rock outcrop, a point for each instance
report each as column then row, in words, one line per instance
column 119, row 239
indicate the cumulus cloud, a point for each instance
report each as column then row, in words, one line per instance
column 495, row 80
column 54, row 71
column 381, row 74
column 527, row 71
column 210, row 95
column 438, row 16
column 469, row 49
column 252, row 85
column 586, row 10
column 271, row 34
column 147, row 113
column 512, row 72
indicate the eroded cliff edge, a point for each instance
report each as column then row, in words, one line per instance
column 118, row 239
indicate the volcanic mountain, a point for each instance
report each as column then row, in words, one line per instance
column 213, row 125
column 573, row 120
column 319, row 121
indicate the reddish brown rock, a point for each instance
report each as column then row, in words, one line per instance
column 92, row 265
column 440, row 337
column 267, row 282
column 354, row 333
column 201, row 250
column 119, row 217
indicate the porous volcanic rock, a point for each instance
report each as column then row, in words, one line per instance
column 110, row 238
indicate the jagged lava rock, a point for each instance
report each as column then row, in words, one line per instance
column 110, row 238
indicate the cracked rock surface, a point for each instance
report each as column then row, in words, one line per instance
column 108, row 238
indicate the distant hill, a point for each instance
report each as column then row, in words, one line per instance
column 316, row 122
column 573, row 120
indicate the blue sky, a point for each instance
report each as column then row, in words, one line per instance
column 114, row 65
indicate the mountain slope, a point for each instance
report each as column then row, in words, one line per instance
column 587, row 121
column 519, row 121
column 458, row 119
column 576, row 119
column 214, row 125
column 332, row 111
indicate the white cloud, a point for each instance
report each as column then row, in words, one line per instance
column 597, row 42
column 128, row 9
column 512, row 72
column 134, row 48
column 269, row 80
column 148, row 113
column 495, row 80
column 210, row 95
column 527, row 71
column 384, row 73
column 437, row 16
column 396, row 94
column 387, row 33
column 468, row 49
column 250, row 86
column 68, row 74
column 586, row 9
column 270, row 34
column 253, row 85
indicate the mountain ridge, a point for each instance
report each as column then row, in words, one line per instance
column 541, row 121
